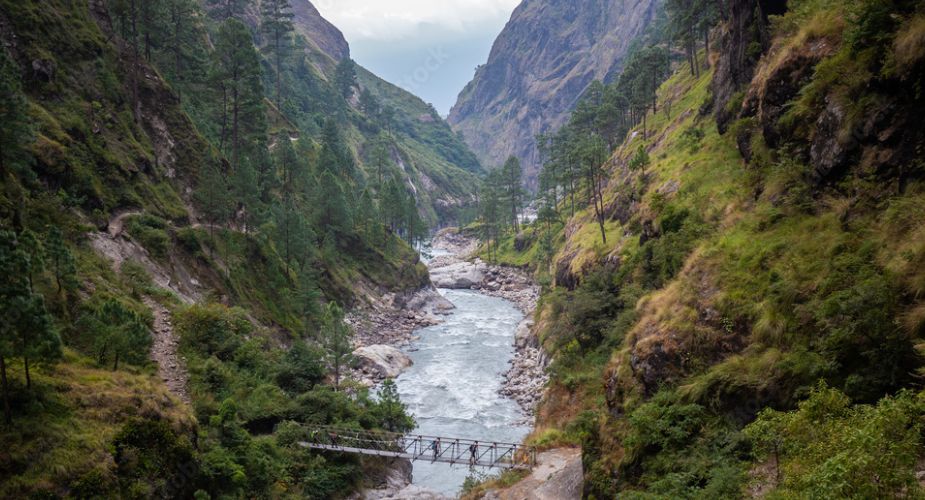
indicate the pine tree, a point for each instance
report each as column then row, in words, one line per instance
column 183, row 41
column 212, row 196
column 336, row 341
column 593, row 154
column 490, row 197
column 245, row 187
column 345, row 77
column 236, row 76
column 120, row 334
column 392, row 413
column 35, row 251
column 291, row 171
column 25, row 325
column 277, row 27
column 15, row 127
column 61, row 260
column 332, row 212
column 224, row 10
column 512, row 176
column 38, row 339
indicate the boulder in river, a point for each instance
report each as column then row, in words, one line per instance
column 382, row 360
column 459, row 276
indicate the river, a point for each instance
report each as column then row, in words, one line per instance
column 452, row 388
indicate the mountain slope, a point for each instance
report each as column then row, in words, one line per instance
column 114, row 187
column 753, row 325
column 434, row 162
column 541, row 63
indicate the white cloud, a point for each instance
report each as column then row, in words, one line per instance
column 401, row 19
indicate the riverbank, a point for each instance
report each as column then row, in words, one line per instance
column 390, row 331
column 526, row 379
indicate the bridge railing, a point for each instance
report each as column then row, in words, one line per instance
column 421, row 447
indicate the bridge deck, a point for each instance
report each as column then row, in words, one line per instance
column 424, row 457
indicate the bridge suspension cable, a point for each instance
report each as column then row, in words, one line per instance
column 418, row 447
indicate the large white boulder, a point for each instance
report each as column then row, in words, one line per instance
column 461, row 275
column 382, row 360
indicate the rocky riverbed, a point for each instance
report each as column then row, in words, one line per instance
column 386, row 334
column 526, row 379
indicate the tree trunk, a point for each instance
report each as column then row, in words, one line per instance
column 706, row 46
column 221, row 145
column 278, row 83
column 115, row 365
column 137, row 106
column 234, row 128
column 8, row 415
column 25, row 362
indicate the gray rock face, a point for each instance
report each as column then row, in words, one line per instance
column 558, row 475
column 544, row 59
column 318, row 31
column 459, row 276
column 382, row 360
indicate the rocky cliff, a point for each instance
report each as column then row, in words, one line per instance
column 542, row 62
column 318, row 31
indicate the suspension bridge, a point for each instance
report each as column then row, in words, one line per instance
column 434, row 449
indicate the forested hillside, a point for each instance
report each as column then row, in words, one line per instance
column 730, row 239
column 194, row 193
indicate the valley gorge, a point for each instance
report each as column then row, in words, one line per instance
column 658, row 249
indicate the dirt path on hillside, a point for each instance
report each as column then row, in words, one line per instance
column 170, row 367
column 558, row 475
column 117, row 224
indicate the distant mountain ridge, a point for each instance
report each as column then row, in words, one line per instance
column 540, row 64
column 427, row 151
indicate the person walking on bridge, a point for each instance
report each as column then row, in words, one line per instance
column 473, row 451
column 333, row 437
column 436, row 447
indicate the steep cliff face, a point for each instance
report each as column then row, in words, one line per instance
column 318, row 31
column 546, row 56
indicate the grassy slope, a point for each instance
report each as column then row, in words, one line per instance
column 441, row 166
column 67, row 425
column 730, row 311
column 92, row 160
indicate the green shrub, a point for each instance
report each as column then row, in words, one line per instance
column 212, row 330
column 151, row 458
column 829, row 448
column 151, row 232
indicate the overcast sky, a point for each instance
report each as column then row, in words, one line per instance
column 429, row 47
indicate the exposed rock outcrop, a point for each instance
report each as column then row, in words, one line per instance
column 382, row 361
column 744, row 39
column 559, row 475
column 320, row 33
column 542, row 62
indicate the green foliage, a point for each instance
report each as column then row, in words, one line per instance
column 116, row 332
column 640, row 160
column 15, row 126
column 152, row 460
column 831, row 448
column 345, row 77
column 151, row 232
column 390, row 411
column 61, row 261
column 335, row 338
column 301, row 369
column 212, row 329
column 26, row 330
